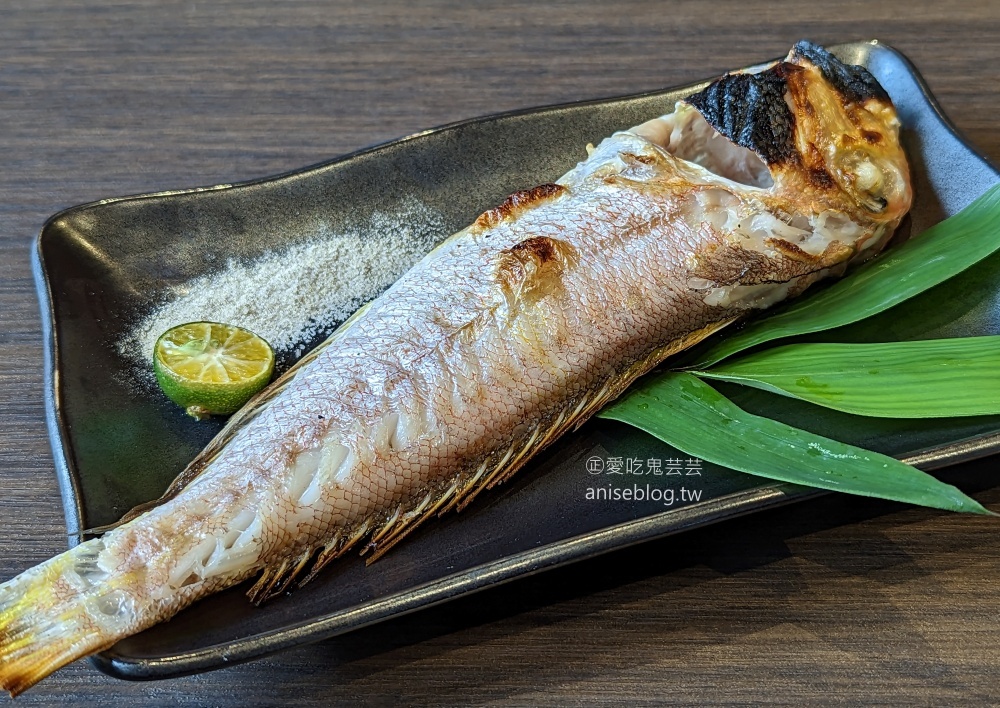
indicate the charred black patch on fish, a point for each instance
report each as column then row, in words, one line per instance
column 854, row 83
column 750, row 110
column 821, row 178
column 516, row 203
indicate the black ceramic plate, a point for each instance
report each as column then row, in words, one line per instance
column 101, row 266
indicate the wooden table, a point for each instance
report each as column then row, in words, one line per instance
column 835, row 600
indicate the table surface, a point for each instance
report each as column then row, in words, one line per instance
column 834, row 600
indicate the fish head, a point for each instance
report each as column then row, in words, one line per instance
column 827, row 132
column 846, row 134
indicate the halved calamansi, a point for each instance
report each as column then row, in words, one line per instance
column 210, row 368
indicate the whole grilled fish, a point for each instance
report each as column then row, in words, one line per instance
column 512, row 332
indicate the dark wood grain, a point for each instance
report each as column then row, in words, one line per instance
column 838, row 600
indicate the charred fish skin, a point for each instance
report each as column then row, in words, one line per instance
column 855, row 83
column 750, row 110
column 512, row 332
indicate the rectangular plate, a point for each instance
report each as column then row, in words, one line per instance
column 101, row 267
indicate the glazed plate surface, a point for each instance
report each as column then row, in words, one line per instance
column 101, row 267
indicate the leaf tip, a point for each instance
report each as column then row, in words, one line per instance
column 983, row 511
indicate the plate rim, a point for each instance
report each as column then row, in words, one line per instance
column 492, row 573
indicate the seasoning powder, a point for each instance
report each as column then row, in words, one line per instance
column 289, row 297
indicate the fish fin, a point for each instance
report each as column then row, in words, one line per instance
column 460, row 492
column 750, row 110
column 284, row 572
column 834, row 253
column 240, row 419
column 401, row 524
column 44, row 618
column 278, row 578
column 262, row 590
column 326, row 553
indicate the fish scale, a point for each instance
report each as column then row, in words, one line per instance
column 509, row 334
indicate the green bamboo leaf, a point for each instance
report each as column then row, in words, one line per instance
column 687, row 413
column 935, row 378
column 942, row 251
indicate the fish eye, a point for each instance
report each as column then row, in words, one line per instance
column 867, row 179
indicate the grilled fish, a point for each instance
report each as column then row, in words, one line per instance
column 510, row 333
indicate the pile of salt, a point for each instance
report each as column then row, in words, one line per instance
column 289, row 297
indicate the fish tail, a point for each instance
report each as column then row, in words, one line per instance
column 47, row 617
